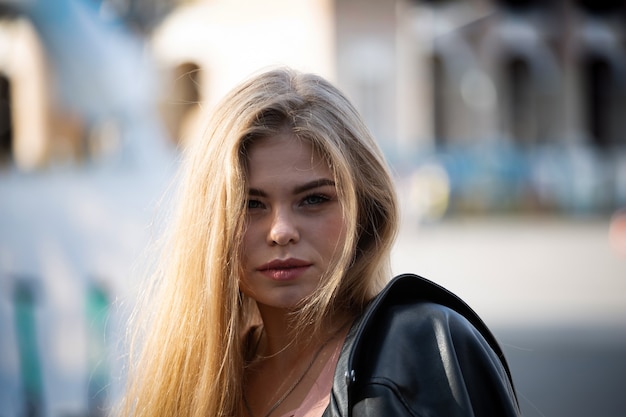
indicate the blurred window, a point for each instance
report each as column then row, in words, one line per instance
column 182, row 101
column 599, row 96
column 520, row 5
column 603, row 7
column 440, row 88
column 6, row 129
column 520, row 89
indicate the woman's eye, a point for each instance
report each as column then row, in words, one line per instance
column 315, row 199
column 254, row 204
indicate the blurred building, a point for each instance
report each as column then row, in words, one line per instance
column 428, row 76
column 520, row 104
column 26, row 131
column 204, row 48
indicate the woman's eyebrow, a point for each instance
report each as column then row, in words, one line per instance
column 322, row 182
column 256, row 193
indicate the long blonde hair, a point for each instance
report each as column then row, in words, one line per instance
column 191, row 355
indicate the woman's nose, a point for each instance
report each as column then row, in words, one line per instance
column 283, row 229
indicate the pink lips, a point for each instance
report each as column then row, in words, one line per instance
column 284, row 269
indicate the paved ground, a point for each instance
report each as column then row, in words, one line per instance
column 562, row 372
column 554, row 292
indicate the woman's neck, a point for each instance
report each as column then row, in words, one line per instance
column 282, row 342
column 283, row 368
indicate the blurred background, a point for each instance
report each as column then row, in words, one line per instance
column 504, row 123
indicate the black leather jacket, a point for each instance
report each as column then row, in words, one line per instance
column 418, row 350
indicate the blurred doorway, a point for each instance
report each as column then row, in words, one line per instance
column 439, row 96
column 181, row 107
column 520, row 88
column 6, row 125
column 599, row 97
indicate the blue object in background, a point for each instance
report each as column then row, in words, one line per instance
column 97, row 311
column 30, row 367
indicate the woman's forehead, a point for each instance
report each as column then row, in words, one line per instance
column 283, row 157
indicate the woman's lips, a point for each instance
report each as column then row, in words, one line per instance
column 284, row 269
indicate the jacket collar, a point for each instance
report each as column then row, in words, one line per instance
column 345, row 373
column 405, row 286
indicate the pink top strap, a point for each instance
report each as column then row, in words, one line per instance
column 318, row 397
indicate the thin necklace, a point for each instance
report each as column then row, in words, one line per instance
column 295, row 384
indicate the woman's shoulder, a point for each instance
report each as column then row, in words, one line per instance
column 413, row 289
column 417, row 318
column 410, row 302
column 422, row 343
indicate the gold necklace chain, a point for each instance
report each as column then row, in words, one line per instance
column 295, row 384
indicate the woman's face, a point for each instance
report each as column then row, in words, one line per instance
column 295, row 226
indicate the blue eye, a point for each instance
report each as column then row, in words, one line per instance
column 315, row 199
column 255, row 204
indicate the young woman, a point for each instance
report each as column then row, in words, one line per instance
column 273, row 299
